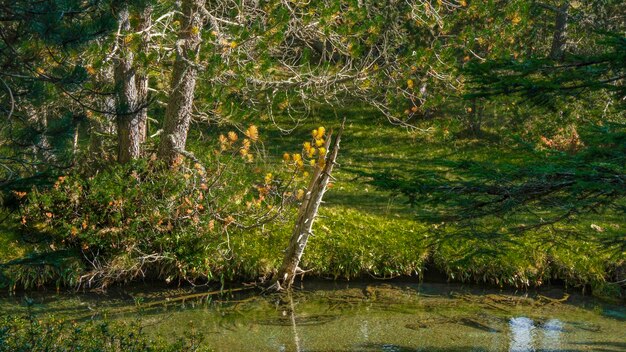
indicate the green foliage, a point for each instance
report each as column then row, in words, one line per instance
column 40, row 53
column 349, row 244
column 146, row 220
column 31, row 333
column 521, row 215
column 513, row 212
column 363, row 231
column 140, row 220
column 545, row 82
column 35, row 270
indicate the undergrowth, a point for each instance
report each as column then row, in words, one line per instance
column 364, row 229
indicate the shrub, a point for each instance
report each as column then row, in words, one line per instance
column 145, row 220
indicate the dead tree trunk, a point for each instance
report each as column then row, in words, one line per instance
column 180, row 101
column 559, row 40
column 129, row 146
column 306, row 216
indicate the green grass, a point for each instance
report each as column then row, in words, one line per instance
column 11, row 244
column 364, row 230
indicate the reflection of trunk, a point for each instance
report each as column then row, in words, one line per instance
column 306, row 216
column 294, row 326
column 179, row 105
column 126, row 90
column 142, row 74
column 559, row 41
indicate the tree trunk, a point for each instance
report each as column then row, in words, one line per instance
column 559, row 41
column 306, row 216
column 129, row 146
column 75, row 140
column 179, row 105
column 142, row 74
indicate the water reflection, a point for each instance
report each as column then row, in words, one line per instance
column 552, row 330
column 296, row 338
column 525, row 335
column 379, row 318
column 521, row 334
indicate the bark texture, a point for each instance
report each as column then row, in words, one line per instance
column 559, row 40
column 180, row 102
column 306, row 216
column 129, row 141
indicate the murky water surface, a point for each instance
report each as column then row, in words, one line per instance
column 357, row 317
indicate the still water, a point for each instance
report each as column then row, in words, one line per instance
column 322, row 316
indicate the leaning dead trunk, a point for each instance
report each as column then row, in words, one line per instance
column 306, row 216
column 559, row 41
column 129, row 142
column 179, row 104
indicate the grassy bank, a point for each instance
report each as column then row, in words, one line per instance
column 367, row 228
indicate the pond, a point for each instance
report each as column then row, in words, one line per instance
column 361, row 316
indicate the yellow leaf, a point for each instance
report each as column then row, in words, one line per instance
column 253, row 133
column 516, row 19
column 320, row 132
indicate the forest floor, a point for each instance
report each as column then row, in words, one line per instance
column 366, row 230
